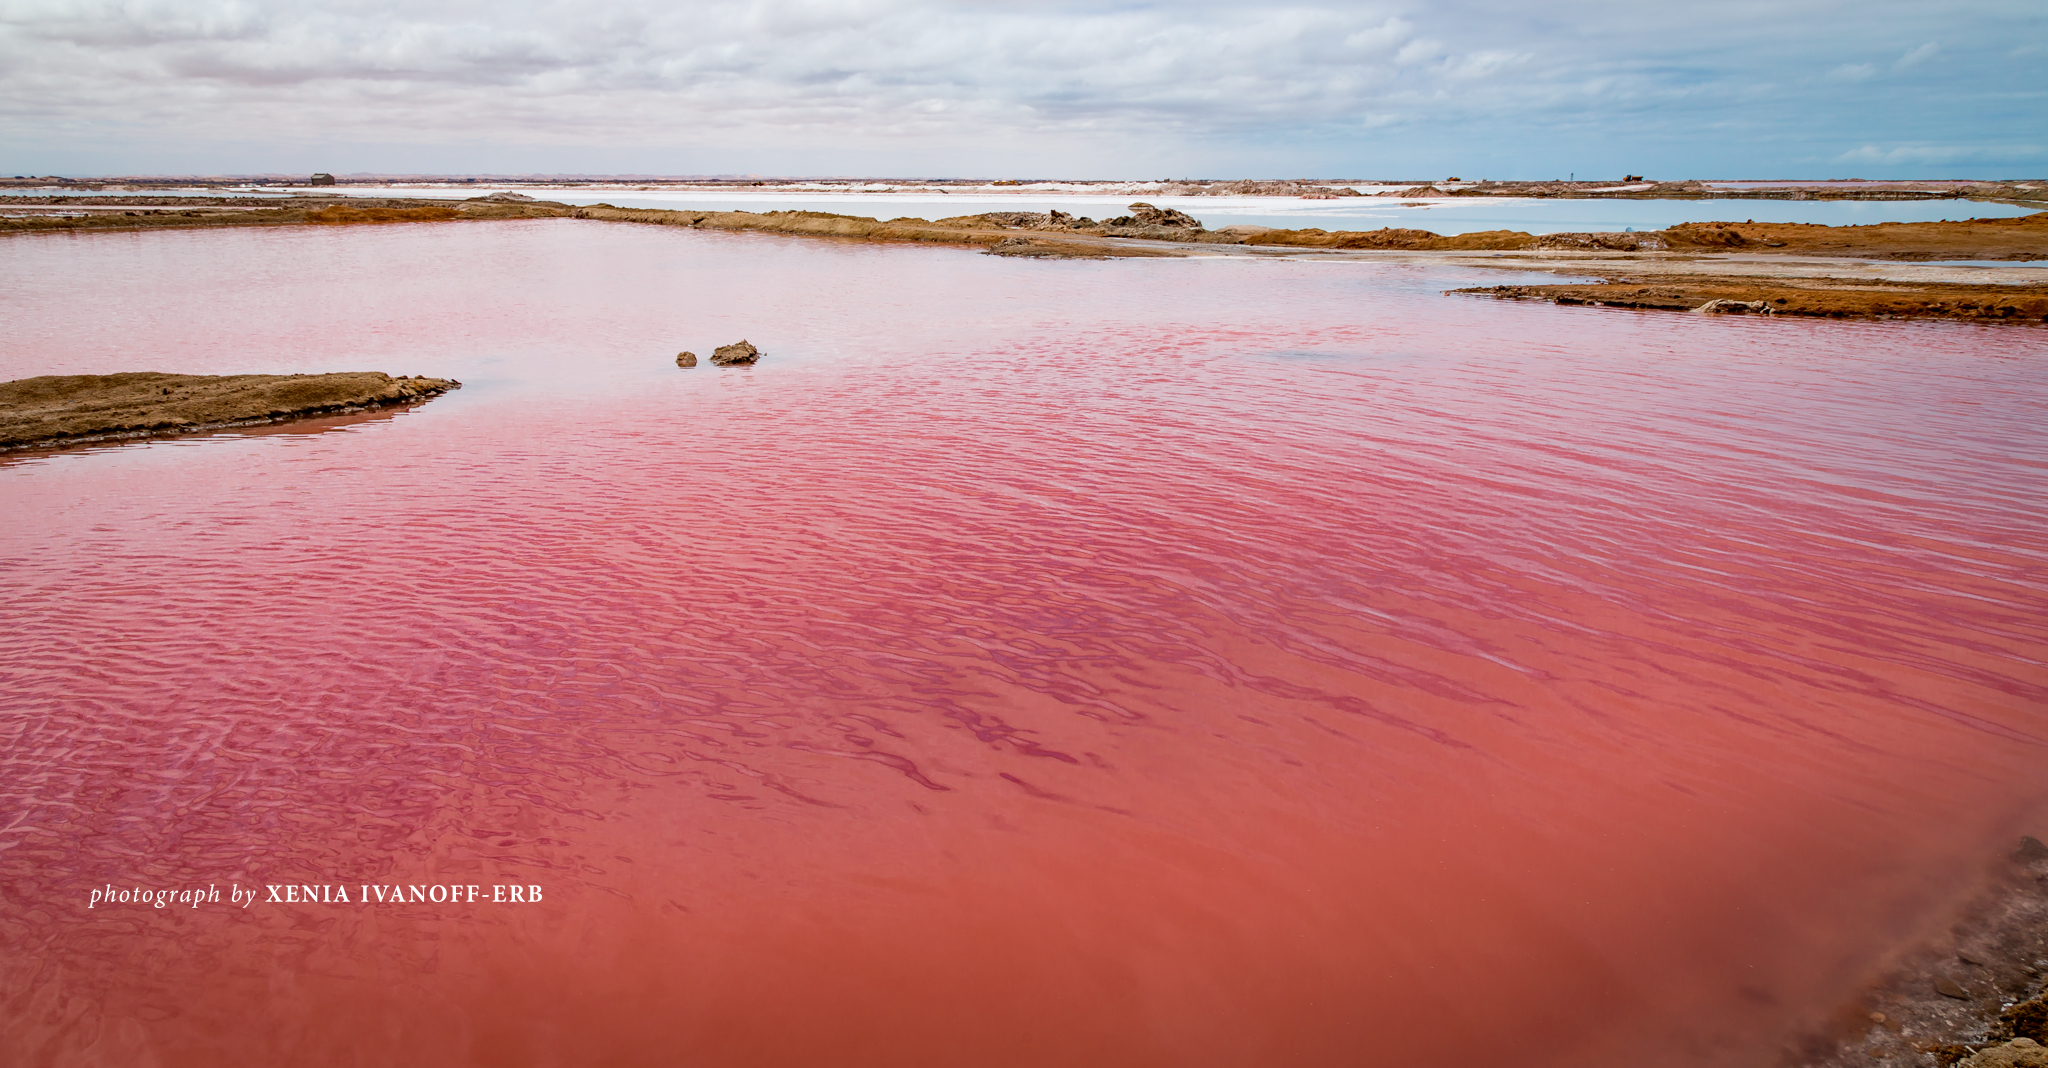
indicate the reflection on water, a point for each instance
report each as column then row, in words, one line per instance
column 1101, row 663
column 325, row 424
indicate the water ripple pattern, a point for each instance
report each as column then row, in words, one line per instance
column 1190, row 663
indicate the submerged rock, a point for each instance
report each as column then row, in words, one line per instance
column 737, row 353
column 686, row 359
column 1725, row 306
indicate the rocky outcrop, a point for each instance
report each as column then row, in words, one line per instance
column 1060, row 220
column 1154, row 224
column 1143, row 214
column 56, row 408
column 1054, row 220
column 1008, row 218
column 1145, row 221
column 1622, row 242
column 739, row 353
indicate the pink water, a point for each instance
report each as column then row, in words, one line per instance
column 1139, row 663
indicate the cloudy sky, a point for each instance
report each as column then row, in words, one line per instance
column 995, row 88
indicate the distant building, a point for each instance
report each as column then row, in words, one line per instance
column 322, row 179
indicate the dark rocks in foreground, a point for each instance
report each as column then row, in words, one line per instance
column 1978, row 1001
column 54, row 409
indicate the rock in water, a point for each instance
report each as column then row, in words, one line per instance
column 686, row 359
column 739, row 352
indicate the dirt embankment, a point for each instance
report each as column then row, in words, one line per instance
column 31, row 214
column 1825, row 297
column 1397, row 239
column 1054, row 234
column 2021, row 238
column 808, row 223
column 60, row 409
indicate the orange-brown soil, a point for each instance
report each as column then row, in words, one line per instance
column 31, row 214
column 55, row 409
column 2021, row 238
column 1827, row 297
column 343, row 214
column 1394, row 239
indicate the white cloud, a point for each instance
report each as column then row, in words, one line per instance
column 1917, row 56
column 959, row 80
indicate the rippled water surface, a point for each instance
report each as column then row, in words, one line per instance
column 1126, row 663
